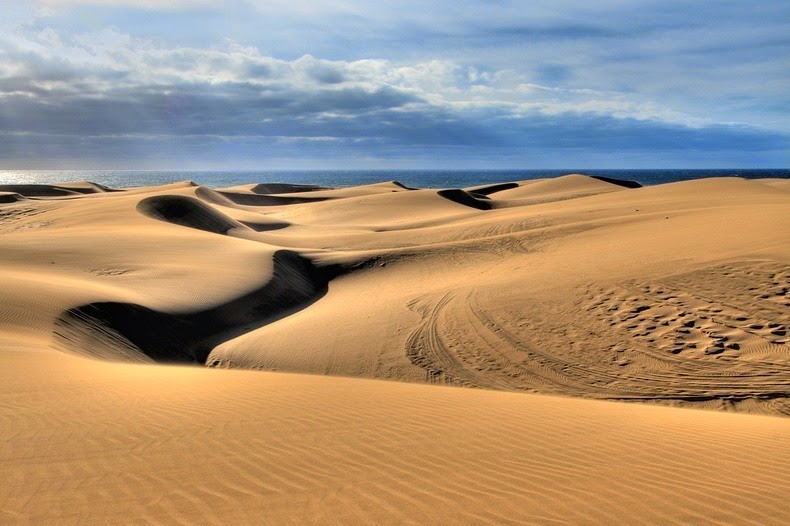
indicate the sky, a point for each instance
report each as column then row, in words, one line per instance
column 290, row 84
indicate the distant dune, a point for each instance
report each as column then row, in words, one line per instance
column 574, row 287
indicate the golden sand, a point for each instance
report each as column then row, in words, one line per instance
column 558, row 297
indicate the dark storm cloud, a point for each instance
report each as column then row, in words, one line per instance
column 237, row 109
column 199, row 121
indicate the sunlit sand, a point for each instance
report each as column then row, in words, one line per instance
column 566, row 350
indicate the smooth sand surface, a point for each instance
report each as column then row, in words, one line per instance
column 581, row 289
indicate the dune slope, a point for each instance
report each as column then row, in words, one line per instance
column 676, row 294
column 93, row 442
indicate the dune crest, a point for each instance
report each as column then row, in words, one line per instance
column 187, row 211
column 125, row 331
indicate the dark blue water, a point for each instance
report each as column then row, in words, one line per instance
column 412, row 178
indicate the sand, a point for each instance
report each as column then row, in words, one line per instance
column 538, row 306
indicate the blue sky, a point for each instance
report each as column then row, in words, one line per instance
column 193, row 84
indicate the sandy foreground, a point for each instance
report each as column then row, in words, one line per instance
column 558, row 297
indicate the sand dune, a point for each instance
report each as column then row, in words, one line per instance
column 273, row 188
column 187, row 211
column 574, row 287
column 39, row 190
column 10, row 197
column 253, row 199
column 353, row 191
column 560, row 188
column 125, row 330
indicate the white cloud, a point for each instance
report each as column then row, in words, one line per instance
column 109, row 59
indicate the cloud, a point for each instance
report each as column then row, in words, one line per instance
column 476, row 85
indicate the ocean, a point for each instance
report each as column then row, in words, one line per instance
column 335, row 178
